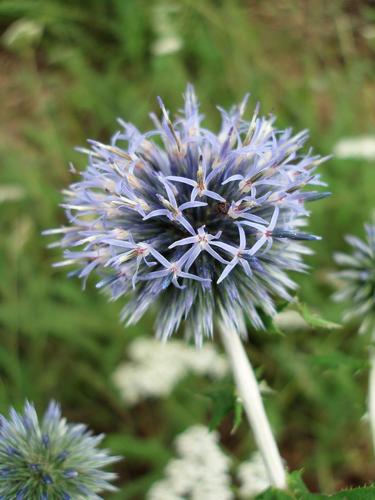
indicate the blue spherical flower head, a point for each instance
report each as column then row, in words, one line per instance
column 50, row 459
column 358, row 279
column 207, row 225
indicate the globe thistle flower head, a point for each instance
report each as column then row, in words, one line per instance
column 50, row 459
column 204, row 224
column 358, row 278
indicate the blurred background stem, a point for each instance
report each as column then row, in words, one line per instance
column 371, row 394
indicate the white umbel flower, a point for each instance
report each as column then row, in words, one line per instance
column 253, row 477
column 155, row 368
column 11, row 193
column 200, row 473
column 356, row 147
column 167, row 40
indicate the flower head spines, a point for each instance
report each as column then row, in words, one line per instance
column 49, row 458
column 358, row 277
column 181, row 208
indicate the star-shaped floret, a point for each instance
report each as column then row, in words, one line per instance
column 200, row 242
column 172, row 210
column 173, row 270
column 265, row 232
column 238, row 255
column 138, row 251
column 200, row 185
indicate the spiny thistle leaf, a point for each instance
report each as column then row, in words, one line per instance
column 313, row 319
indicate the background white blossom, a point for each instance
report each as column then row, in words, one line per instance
column 252, row 475
column 356, row 147
column 201, row 471
column 167, row 39
column 155, row 368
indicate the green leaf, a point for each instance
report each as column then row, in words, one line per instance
column 238, row 412
column 269, row 324
column 272, row 494
column 296, row 484
column 355, row 494
column 334, row 360
column 314, row 319
column 297, row 490
column 138, row 449
column 224, row 401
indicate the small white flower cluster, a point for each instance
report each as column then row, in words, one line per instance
column 356, row 147
column 22, row 34
column 200, row 473
column 155, row 368
column 252, row 475
column 167, row 41
column 9, row 192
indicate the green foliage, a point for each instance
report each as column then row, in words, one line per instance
column 92, row 61
column 297, row 490
column 313, row 319
column 224, row 402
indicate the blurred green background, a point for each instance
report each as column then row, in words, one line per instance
column 67, row 76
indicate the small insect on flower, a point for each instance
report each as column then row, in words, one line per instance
column 206, row 225
column 358, row 279
column 50, row 459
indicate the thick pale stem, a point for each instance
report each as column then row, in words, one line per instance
column 371, row 395
column 248, row 390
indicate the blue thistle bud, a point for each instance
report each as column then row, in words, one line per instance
column 70, row 465
column 47, row 479
column 206, row 224
column 70, row 473
column 21, row 494
column 34, row 467
column 62, row 456
column 358, row 278
column 45, row 440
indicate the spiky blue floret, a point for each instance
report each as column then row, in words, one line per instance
column 207, row 225
column 50, row 459
column 359, row 279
